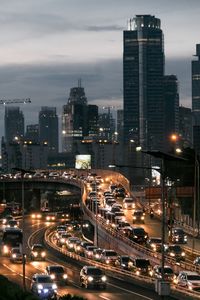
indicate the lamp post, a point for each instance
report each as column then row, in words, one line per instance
column 23, row 171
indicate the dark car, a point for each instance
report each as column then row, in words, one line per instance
column 138, row 216
column 142, row 266
column 57, row 274
column 175, row 251
column 178, row 236
column 138, row 235
column 38, row 252
column 91, row 276
column 155, row 244
column 168, row 273
column 124, row 262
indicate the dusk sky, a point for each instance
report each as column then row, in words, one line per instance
column 47, row 45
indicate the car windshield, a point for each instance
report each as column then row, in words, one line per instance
column 56, row 269
column 158, row 241
column 16, row 251
column 45, row 279
column 110, row 253
column 125, row 259
column 119, row 214
column 175, row 248
column 37, row 248
column 166, row 270
column 142, row 263
column 139, row 231
column 138, row 213
column 128, row 200
column 178, row 231
column 193, row 277
column 94, row 271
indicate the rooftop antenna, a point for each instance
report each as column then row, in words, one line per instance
column 79, row 82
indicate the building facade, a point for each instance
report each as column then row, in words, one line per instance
column 143, row 71
column 13, row 124
column 48, row 128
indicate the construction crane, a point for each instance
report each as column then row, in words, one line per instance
column 13, row 101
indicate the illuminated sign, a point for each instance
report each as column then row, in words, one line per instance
column 83, row 161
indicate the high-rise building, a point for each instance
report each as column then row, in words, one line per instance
column 14, row 124
column 120, row 124
column 78, row 119
column 32, row 133
column 143, row 71
column 196, row 98
column 185, row 126
column 48, row 128
column 171, row 97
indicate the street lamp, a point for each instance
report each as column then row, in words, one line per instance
column 23, row 171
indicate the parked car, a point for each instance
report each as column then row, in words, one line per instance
column 168, row 273
column 178, row 236
column 16, row 255
column 57, row 274
column 43, row 286
column 38, row 252
column 91, row 276
column 189, row 280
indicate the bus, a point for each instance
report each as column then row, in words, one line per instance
column 10, row 238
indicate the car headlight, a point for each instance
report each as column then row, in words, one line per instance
column 185, row 238
column 137, row 272
column 134, row 218
column 62, row 240
column 145, row 236
column 90, row 278
column 14, row 255
column 183, row 254
column 130, row 264
column 33, row 216
column 107, row 261
column 54, row 286
column 142, row 218
column 40, row 286
column 53, row 276
column 151, row 273
column 103, row 278
column 35, row 254
column 97, row 255
column 48, row 218
column 39, row 216
column 65, row 276
column 43, row 254
column 78, row 248
column 172, row 254
column 135, row 236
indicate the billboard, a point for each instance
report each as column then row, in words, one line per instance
column 83, row 161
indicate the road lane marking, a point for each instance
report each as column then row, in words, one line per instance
column 131, row 292
column 104, row 298
column 13, row 271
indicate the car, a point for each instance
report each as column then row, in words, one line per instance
column 128, row 203
column 168, row 273
column 142, row 266
column 62, row 238
column 138, row 216
column 189, row 280
column 57, row 274
column 119, row 216
column 155, row 244
column 175, row 251
column 44, row 287
column 36, row 216
column 50, row 217
column 97, row 254
column 83, row 246
column 6, row 219
column 89, row 251
column 38, row 252
column 16, row 255
column 71, row 241
column 12, row 223
column 138, row 235
column 108, row 257
column 124, row 262
column 91, row 276
column 122, row 224
column 178, row 236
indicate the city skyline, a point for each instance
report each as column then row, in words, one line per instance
column 41, row 42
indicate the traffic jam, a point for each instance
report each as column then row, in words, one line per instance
column 111, row 203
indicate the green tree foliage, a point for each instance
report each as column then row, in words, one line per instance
column 11, row 291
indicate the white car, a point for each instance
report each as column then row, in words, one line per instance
column 16, row 255
column 189, row 280
column 43, row 286
column 128, row 203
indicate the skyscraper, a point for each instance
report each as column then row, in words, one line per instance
column 171, row 97
column 78, row 119
column 14, row 124
column 196, row 98
column 143, row 70
column 48, row 128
